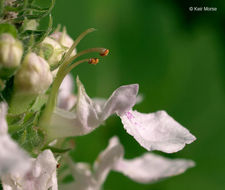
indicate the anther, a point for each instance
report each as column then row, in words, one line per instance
column 105, row 52
column 93, row 61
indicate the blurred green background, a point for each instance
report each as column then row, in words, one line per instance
column 177, row 58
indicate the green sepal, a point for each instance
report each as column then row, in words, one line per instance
column 26, row 133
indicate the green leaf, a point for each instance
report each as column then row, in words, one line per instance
column 34, row 12
column 32, row 38
column 8, row 28
column 41, row 12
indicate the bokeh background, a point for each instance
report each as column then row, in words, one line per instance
column 177, row 57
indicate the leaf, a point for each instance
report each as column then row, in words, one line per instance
column 8, row 28
column 31, row 38
column 46, row 32
column 37, row 14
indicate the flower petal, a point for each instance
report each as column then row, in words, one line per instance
column 156, row 131
column 83, row 177
column 121, row 101
column 150, row 167
column 46, row 163
column 66, row 99
column 107, row 159
column 145, row 169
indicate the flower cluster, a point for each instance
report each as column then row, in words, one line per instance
column 38, row 111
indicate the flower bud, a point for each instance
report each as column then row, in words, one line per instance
column 34, row 76
column 64, row 40
column 30, row 24
column 11, row 51
column 51, row 51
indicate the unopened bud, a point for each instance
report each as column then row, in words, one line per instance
column 51, row 51
column 30, row 24
column 64, row 40
column 11, row 51
column 34, row 76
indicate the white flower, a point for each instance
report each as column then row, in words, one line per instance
column 148, row 168
column 12, row 157
column 34, row 76
column 41, row 176
column 156, row 131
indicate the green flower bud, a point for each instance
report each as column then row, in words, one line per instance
column 11, row 51
column 34, row 75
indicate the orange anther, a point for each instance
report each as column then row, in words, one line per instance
column 105, row 52
column 93, row 61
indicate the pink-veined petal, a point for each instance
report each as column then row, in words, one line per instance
column 156, row 131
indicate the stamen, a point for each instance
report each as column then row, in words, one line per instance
column 64, row 69
column 76, row 42
column 93, row 61
column 101, row 51
column 105, row 52
column 68, row 69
